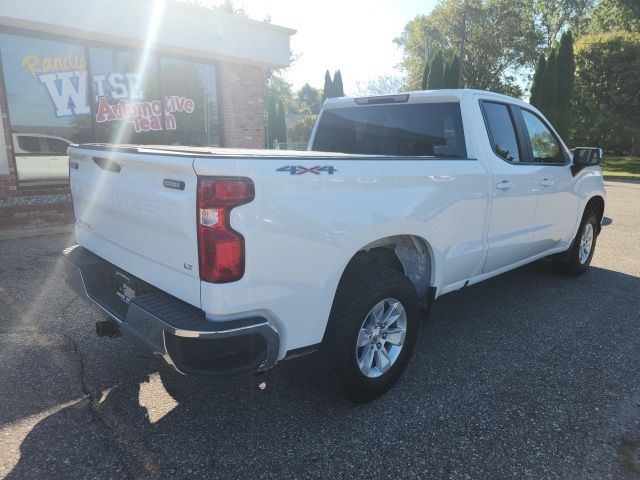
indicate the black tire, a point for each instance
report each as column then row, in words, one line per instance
column 573, row 265
column 359, row 291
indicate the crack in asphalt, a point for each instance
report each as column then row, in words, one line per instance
column 122, row 437
column 81, row 377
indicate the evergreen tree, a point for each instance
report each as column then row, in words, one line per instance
column 452, row 72
column 436, row 72
column 425, row 76
column 327, row 91
column 272, row 114
column 566, row 73
column 549, row 90
column 338, row 89
column 281, row 125
column 536, row 85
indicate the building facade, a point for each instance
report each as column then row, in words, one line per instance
column 126, row 72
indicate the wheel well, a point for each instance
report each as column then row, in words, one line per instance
column 407, row 254
column 596, row 204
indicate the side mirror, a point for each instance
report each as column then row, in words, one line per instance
column 585, row 157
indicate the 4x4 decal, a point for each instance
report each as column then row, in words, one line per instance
column 299, row 170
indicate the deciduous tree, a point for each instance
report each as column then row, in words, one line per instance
column 501, row 37
column 310, row 97
column 607, row 103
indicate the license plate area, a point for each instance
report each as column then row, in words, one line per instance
column 125, row 286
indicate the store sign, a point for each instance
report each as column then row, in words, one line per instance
column 144, row 116
column 65, row 81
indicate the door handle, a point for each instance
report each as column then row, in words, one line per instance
column 546, row 182
column 504, row 185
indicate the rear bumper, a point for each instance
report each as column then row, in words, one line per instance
column 181, row 333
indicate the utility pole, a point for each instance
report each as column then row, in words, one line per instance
column 462, row 38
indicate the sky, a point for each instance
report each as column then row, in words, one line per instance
column 355, row 36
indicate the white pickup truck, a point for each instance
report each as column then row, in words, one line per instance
column 228, row 261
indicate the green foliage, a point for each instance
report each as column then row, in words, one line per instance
column 310, row 97
column 552, row 87
column 300, row 131
column 536, row 87
column 452, row 72
column 327, row 91
column 607, row 102
column 566, row 73
column 549, row 87
column 614, row 15
column 337, row 88
column 554, row 16
column 281, row 125
column 436, row 72
column 272, row 119
column 425, row 76
column 501, row 37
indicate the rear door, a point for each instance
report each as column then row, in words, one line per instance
column 514, row 189
column 138, row 211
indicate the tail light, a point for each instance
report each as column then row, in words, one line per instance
column 220, row 248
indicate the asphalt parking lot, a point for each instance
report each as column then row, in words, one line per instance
column 528, row 375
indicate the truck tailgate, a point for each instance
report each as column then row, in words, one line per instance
column 138, row 211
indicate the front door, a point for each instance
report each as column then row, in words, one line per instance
column 558, row 199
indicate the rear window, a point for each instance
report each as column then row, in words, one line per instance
column 419, row 129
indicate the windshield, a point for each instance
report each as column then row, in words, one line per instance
column 418, row 129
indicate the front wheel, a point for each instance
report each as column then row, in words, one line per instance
column 372, row 331
column 583, row 246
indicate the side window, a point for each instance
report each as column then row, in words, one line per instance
column 544, row 145
column 56, row 145
column 501, row 131
column 29, row 144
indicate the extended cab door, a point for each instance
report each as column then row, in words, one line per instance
column 58, row 161
column 514, row 188
column 558, row 199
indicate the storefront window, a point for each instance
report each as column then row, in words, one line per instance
column 57, row 97
column 46, row 85
column 127, row 103
column 191, row 102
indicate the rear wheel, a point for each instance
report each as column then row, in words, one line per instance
column 372, row 331
column 583, row 246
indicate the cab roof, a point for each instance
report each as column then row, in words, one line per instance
column 418, row 96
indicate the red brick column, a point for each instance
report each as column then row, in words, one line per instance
column 241, row 95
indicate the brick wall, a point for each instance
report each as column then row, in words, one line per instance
column 241, row 92
column 241, row 105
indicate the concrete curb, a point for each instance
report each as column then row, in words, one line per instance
column 35, row 231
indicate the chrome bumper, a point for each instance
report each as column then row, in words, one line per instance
column 181, row 333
